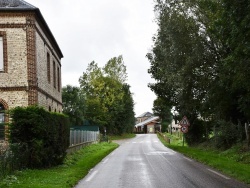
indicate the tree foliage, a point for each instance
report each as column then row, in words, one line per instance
column 200, row 60
column 73, row 104
column 162, row 109
column 109, row 102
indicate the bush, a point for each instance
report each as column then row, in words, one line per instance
column 45, row 135
column 12, row 157
column 226, row 135
column 196, row 132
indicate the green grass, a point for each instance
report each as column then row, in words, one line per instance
column 123, row 136
column 75, row 167
column 229, row 162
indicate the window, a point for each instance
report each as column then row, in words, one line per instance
column 58, row 79
column 48, row 67
column 2, row 127
column 1, row 54
column 54, row 74
column 1, row 113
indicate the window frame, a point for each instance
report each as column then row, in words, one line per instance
column 58, row 79
column 2, row 127
column 4, row 52
column 48, row 68
column 54, row 74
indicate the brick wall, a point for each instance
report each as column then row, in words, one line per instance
column 25, row 80
column 50, row 96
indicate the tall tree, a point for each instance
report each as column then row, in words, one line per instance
column 162, row 109
column 116, row 69
column 200, row 58
column 105, row 93
column 73, row 104
column 184, row 58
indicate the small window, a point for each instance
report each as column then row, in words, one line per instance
column 54, row 74
column 58, row 79
column 1, row 54
column 48, row 67
column 1, row 113
column 2, row 127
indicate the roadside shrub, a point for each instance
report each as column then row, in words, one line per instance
column 227, row 134
column 196, row 132
column 45, row 136
column 12, row 157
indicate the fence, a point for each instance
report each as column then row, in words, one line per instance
column 81, row 138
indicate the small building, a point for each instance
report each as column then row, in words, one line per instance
column 147, row 123
column 143, row 117
column 30, row 59
column 174, row 126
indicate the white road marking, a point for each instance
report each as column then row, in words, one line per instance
column 187, row 159
column 218, row 174
column 105, row 161
column 91, row 176
column 160, row 153
column 140, row 142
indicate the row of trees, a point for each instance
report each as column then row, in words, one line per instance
column 103, row 98
column 200, row 60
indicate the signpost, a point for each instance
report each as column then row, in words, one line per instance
column 184, row 123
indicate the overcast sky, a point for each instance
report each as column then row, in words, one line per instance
column 97, row 30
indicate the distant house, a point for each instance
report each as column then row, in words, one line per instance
column 30, row 60
column 147, row 123
column 143, row 117
column 174, row 126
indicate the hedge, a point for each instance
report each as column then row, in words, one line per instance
column 43, row 136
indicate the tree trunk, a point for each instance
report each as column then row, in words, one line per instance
column 247, row 134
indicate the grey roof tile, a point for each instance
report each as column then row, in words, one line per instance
column 145, row 114
column 15, row 5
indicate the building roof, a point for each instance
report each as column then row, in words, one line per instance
column 154, row 118
column 145, row 114
column 22, row 6
column 15, row 4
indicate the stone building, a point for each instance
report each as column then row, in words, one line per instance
column 30, row 59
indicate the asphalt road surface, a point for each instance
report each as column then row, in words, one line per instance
column 144, row 162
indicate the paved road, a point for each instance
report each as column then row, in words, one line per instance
column 143, row 162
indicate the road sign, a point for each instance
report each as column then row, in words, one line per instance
column 184, row 122
column 184, row 129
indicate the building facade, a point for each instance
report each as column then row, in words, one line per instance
column 147, row 123
column 30, row 59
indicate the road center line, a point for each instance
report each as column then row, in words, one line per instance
column 91, row 176
column 219, row 174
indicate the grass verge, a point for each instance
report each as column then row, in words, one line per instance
column 75, row 167
column 225, row 161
